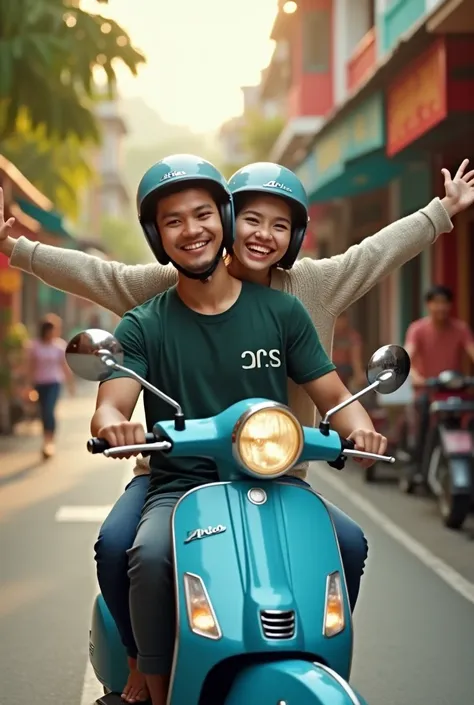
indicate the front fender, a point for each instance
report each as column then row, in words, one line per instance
column 456, row 446
column 291, row 682
column 460, row 470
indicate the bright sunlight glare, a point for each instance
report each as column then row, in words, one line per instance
column 290, row 7
column 199, row 54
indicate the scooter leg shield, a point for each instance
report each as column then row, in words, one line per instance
column 289, row 682
column 106, row 651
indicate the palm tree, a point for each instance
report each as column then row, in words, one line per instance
column 49, row 50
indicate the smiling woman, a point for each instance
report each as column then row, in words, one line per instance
column 264, row 224
column 271, row 205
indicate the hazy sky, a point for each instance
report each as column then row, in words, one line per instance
column 199, row 54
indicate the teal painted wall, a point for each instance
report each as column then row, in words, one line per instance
column 397, row 19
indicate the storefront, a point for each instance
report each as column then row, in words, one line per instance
column 37, row 298
column 348, row 167
column 430, row 111
column 415, row 192
column 371, row 315
column 11, row 280
column 348, row 157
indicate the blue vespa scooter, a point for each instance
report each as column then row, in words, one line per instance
column 257, row 622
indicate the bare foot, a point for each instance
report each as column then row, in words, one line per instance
column 135, row 690
column 48, row 450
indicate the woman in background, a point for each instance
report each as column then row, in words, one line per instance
column 47, row 373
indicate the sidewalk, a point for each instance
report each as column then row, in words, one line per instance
column 20, row 453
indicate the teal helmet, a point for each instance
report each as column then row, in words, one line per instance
column 277, row 180
column 176, row 172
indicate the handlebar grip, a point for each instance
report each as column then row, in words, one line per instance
column 347, row 444
column 98, row 445
column 340, row 462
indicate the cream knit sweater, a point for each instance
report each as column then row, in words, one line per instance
column 326, row 287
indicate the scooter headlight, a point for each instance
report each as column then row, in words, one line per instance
column 268, row 440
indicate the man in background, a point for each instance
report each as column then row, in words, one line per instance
column 435, row 343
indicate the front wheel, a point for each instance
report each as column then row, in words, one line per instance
column 454, row 510
column 407, row 479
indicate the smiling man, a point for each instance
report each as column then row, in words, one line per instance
column 208, row 342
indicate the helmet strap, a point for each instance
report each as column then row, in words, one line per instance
column 201, row 276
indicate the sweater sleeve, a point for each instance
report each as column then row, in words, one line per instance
column 341, row 280
column 117, row 287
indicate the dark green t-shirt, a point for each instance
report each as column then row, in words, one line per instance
column 208, row 363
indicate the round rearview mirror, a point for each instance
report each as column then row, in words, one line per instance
column 82, row 354
column 389, row 365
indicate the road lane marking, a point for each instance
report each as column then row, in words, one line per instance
column 91, row 513
column 83, row 514
column 444, row 571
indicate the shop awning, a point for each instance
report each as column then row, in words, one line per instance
column 367, row 173
column 452, row 17
column 50, row 221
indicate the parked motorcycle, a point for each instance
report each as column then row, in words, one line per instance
column 257, row 622
column 447, row 470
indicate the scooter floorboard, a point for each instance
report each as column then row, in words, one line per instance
column 116, row 699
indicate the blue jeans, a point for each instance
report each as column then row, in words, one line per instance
column 117, row 535
column 48, row 395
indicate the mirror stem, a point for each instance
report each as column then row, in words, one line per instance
column 324, row 426
column 179, row 422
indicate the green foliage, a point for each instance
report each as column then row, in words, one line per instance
column 49, row 50
column 260, row 134
column 229, row 169
column 13, row 340
column 58, row 168
column 124, row 240
column 16, row 337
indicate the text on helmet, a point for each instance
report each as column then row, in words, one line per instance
column 277, row 184
column 172, row 174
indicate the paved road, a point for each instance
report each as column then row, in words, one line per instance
column 414, row 632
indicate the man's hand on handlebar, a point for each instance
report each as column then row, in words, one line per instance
column 124, row 433
column 369, row 441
